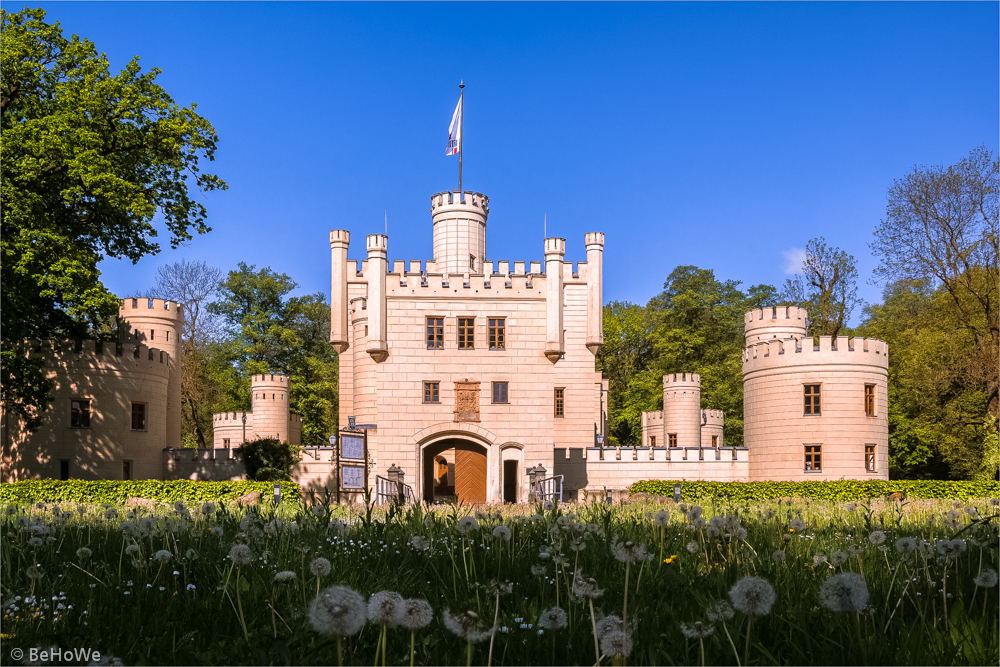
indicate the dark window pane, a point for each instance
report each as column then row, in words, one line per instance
column 499, row 392
column 138, row 416
column 80, row 414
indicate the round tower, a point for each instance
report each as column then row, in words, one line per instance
column 269, row 403
column 459, row 231
column 777, row 322
column 158, row 323
column 711, row 428
column 815, row 412
column 682, row 410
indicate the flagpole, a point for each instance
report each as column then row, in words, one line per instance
column 461, row 122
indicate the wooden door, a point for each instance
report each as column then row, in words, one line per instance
column 470, row 476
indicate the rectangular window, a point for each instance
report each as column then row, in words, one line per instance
column 225, row 443
column 812, row 458
column 811, row 399
column 431, row 392
column 466, row 333
column 870, row 458
column 79, row 414
column 126, row 470
column 497, row 326
column 652, row 441
column 500, row 392
column 715, row 441
column 870, row 400
column 138, row 416
column 672, row 439
column 435, row 333
column 560, row 402
column 63, row 469
column 472, row 262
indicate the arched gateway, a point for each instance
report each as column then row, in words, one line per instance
column 470, row 471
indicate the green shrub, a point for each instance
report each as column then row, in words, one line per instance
column 848, row 489
column 268, row 459
column 106, row 491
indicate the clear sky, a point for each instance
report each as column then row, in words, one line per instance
column 714, row 134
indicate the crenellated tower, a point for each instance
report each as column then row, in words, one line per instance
column 777, row 322
column 269, row 401
column 158, row 323
column 682, row 409
column 459, row 221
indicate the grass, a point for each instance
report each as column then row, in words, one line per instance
column 194, row 605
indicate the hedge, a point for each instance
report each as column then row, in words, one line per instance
column 836, row 490
column 106, row 491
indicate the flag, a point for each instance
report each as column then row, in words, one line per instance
column 455, row 130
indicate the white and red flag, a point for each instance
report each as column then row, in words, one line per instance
column 455, row 130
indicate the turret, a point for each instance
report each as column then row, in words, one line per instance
column 775, row 322
column 158, row 323
column 555, row 250
column 459, row 231
column 376, row 345
column 339, row 240
column 682, row 410
column 595, row 298
column 269, row 394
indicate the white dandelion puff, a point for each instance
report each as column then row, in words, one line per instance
column 844, row 592
column 876, row 538
column 83, row 553
column 240, row 554
column 162, row 555
column 503, row 532
column 416, row 614
column 420, row 543
column 617, row 643
column 719, row 610
column 753, row 596
column 987, row 578
column 697, row 630
column 339, row 611
column 906, row 545
column 466, row 524
column 386, row 608
column 553, row 618
column 468, row 626
column 285, row 577
column 320, row 567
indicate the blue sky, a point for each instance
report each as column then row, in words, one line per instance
column 715, row 134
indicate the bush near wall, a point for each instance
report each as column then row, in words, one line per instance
column 105, row 491
column 836, row 490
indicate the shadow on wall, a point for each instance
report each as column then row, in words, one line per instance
column 115, row 388
column 570, row 463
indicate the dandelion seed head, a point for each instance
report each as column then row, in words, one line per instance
column 692, row 547
column 468, row 626
column 285, row 577
column 240, row 554
column 503, row 532
column 162, row 555
column 838, row 558
column 987, row 578
column 778, row 556
column 386, row 608
column 35, row 572
column 553, row 618
column 320, row 567
column 719, row 610
column 617, row 643
column 846, row 592
column 419, row 542
column 338, row 611
column 661, row 518
column 132, row 549
column 877, row 537
column 753, row 596
column 697, row 630
column 216, row 531
column 416, row 614
column 797, row 525
column 606, row 624
column 83, row 553
column 466, row 524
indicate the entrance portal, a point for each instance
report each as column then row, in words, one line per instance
column 469, row 472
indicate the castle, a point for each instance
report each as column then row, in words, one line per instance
column 471, row 378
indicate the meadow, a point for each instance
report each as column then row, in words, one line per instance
column 783, row 582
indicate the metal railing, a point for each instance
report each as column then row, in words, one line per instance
column 388, row 491
column 550, row 488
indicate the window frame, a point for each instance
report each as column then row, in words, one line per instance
column 815, row 407
column 73, row 413
column 496, row 333
column 127, row 470
column 145, row 417
column 870, row 394
column 871, row 460
column 559, row 402
column 813, row 461
column 506, row 392
column 466, row 333
column 434, row 387
column 671, row 439
column 652, row 441
column 434, row 337
column 715, row 441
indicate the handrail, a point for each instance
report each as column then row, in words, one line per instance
column 388, row 491
column 550, row 488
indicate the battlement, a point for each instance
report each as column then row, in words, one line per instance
column 474, row 201
column 89, row 356
column 712, row 417
column 269, row 380
column 555, row 246
column 145, row 308
column 377, row 243
column 776, row 321
column 340, row 238
column 842, row 350
column 593, row 239
column 675, row 381
column 232, row 418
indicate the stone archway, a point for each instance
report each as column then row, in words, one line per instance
column 471, row 470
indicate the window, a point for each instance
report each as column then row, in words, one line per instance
column 225, row 443
column 812, row 399
column 435, row 333
column 472, row 262
column 870, row 458
column 560, row 402
column 431, row 392
column 138, row 416
column 466, row 333
column 500, row 392
column 812, row 458
column 715, row 441
column 79, row 414
column 126, row 470
column 672, row 439
column 497, row 326
column 652, row 441
column 63, row 469
column 870, row 400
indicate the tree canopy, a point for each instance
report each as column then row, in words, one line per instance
column 91, row 161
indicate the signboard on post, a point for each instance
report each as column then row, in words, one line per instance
column 352, row 446
column 352, row 477
column 352, row 461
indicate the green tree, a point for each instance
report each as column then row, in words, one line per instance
column 267, row 460
column 89, row 160
column 827, row 288
column 314, row 370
